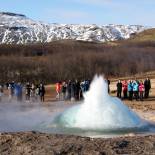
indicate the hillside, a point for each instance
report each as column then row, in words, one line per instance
column 70, row 59
column 145, row 38
column 146, row 35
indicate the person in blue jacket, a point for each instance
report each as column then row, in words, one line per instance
column 130, row 89
column 135, row 89
column 18, row 91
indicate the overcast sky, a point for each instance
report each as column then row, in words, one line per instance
column 101, row 12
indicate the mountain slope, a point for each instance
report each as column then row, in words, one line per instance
column 18, row 29
column 145, row 36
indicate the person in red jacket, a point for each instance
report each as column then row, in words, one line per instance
column 58, row 89
column 125, row 89
column 141, row 90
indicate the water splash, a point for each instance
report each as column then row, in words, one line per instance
column 100, row 111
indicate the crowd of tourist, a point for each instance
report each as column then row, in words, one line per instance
column 133, row 89
column 74, row 90
column 20, row 92
column 71, row 90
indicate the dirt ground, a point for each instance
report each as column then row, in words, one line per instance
column 35, row 143
column 29, row 143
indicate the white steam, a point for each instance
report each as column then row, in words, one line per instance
column 100, row 111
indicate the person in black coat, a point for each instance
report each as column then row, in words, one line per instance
column 119, row 88
column 108, row 82
column 68, row 89
column 41, row 92
column 77, row 90
column 147, row 85
column 72, row 90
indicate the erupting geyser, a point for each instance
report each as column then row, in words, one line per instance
column 100, row 111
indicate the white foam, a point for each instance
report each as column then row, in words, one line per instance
column 100, row 111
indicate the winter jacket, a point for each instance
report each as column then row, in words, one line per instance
column 125, row 86
column 147, row 84
column 135, row 86
column 141, row 87
column 18, row 89
column 130, row 86
column 119, row 86
column 58, row 87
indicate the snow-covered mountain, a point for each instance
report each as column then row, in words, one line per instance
column 18, row 29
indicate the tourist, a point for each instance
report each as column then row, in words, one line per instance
column 12, row 88
column 68, row 90
column 41, row 92
column 77, row 90
column 87, row 84
column 135, row 89
column 37, row 93
column 72, row 91
column 63, row 90
column 58, row 90
column 147, row 85
column 28, row 91
column 138, row 86
column 125, row 89
column 108, row 82
column 32, row 92
column 81, row 90
column 119, row 89
column 141, row 91
column 18, row 91
column 11, row 91
column 82, row 86
column 130, row 89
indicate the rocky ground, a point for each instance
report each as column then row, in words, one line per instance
column 48, row 144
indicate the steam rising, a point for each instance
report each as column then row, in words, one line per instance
column 100, row 111
column 25, row 116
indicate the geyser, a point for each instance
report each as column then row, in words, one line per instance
column 100, row 112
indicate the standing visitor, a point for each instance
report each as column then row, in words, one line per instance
column 72, row 91
column 141, row 91
column 130, row 89
column 68, row 90
column 41, row 92
column 81, row 89
column 11, row 91
column 37, row 93
column 138, row 86
column 147, row 85
column 77, row 90
column 125, row 89
column 58, row 90
column 32, row 93
column 87, row 84
column 119, row 88
column 108, row 81
column 12, row 86
column 18, row 91
column 63, row 89
column 135, row 90
column 28, row 91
